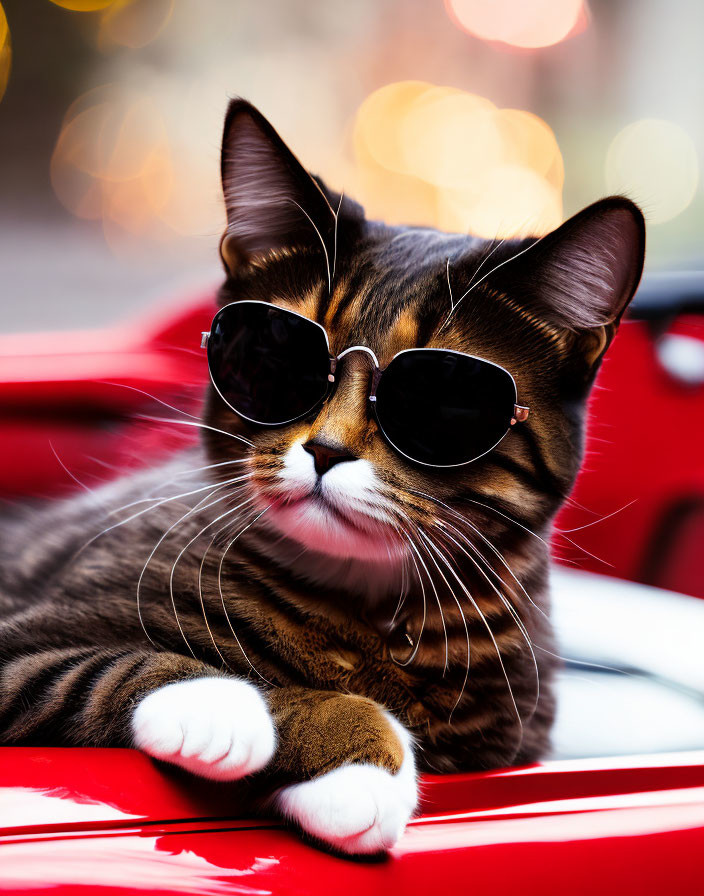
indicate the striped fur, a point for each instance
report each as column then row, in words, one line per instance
column 440, row 612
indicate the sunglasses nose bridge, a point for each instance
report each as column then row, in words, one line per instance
column 376, row 371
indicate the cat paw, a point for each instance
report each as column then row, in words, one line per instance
column 355, row 809
column 217, row 728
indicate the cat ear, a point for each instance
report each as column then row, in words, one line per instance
column 580, row 278
column 272, row 201
column 583, row 275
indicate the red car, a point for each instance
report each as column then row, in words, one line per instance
column 74, row 409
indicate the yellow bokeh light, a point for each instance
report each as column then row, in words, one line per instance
column 443, row 157
column 449, row 138
column 83, row 5
column 538, row 23
column 376, row 126
column 655, row 162
column 134, row 23
column 5, row 52
column 516, row 201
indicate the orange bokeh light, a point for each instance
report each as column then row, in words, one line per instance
column 134, row 23
column 5, row 52
column 539, row 23
column 83, row 5
column 111, row 161
column 440, row 156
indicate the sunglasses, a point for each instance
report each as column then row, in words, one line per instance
column 434, row 406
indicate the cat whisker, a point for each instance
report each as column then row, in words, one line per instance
column 218, row 532
column 403, row 592
column 485, row 621
column 75, row 478
column 481, row 264
column 200, row 506
column 222, row 596
column 160, row 502
column 571, row 659
column 511, row 520
column 417, row 554
column 486, row 541
column 416, row 646
column 183, row 551
column 334, row 245
column 430, row 544
column 504, row 600
column 221, row 432
column 449, row 285
column 489, row 274
column 149, row 395
column 320, row 236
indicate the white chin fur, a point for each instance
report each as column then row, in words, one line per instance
column 349, row 489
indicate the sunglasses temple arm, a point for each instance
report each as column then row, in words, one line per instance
column 204, row 336
column 520, row 414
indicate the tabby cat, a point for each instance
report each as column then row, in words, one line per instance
column 340, row 614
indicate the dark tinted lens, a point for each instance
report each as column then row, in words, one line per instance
column 270, row 364
column 443, row 408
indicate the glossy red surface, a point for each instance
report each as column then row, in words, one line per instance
column 110, row 821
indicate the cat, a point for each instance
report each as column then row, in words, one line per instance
column 394, row 618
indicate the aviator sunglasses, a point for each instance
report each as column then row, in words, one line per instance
column 434, row 406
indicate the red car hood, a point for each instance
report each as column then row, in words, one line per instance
column 112, row 821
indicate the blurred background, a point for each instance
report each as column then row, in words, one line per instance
column 498, row 118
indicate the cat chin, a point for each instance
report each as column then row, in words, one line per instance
column 323, row 529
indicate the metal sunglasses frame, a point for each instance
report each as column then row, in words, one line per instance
column 520, row 412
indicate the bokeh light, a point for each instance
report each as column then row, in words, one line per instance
column 443, row 157
column 654, row 162
column 111, row 161
column 133, row 23
column 5, row 52
column 83, row 5
column 538, row 23
column 120, row 160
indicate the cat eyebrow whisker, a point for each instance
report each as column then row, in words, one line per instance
column 320, row 236
column 334, row 247
column 492, row 271
column 449, row 286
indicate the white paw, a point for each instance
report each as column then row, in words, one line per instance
column 356, row 808
column 217, row 728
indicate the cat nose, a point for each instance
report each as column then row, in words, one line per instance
column 327, row 454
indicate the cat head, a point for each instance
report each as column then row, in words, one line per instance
column 544, row 309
